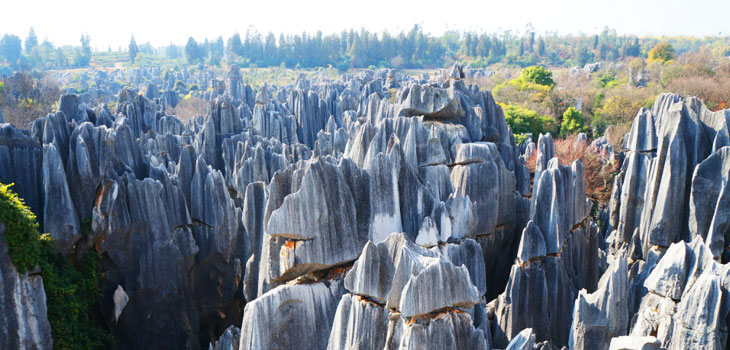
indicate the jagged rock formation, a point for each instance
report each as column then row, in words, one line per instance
column 374, row 211
column 391, row 288
column 668, row 208
column 602, row 315
column 545, row 280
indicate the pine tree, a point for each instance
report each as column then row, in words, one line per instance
column 133, row 50
column 31, row 41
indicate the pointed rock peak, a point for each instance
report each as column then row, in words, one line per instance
column 428, row 234
column 525, row 340
column 457, row 72
column 263, row 96
column 670, row 275
column 120, row 301
column 233, row 72
column 532, row 244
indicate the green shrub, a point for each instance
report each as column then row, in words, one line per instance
column 520, row 138
column 71, row 294
column 607, row 80
column 71, row 291
column 21, row 230
column 537, row 75
column 533, row 84
column 523, row 121
column 573, row 122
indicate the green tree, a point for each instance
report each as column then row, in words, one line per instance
column 573, row 121
column 133, row 50
column 172, row 51
column 61, row 58
column 10, row 49
column 31, row 41
column 583, row 55
column 541, row 47
column 537, row 75
column 82, row 57
column 632, row 49
column 193, row 53
column 662, row 51
column 235, row 45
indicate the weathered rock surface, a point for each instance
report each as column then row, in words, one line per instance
column 23, row 312
column 291, row 317
column 604, row 314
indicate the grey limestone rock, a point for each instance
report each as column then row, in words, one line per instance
column 634, row 343
column 525, row 340
column 228, row 340
column 602, row 315
column 292, row 317
column 23, row 310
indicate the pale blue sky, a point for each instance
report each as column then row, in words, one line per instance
column 160, row 22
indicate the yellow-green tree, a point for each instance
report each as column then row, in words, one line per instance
column 662, row 52
column 573, row 121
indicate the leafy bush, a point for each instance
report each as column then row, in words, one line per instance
column 71, row 292
column 523, row 121
column 534, row 84
column 573, row 122
column 537, row 75
column 21, row 230
column 618, row 108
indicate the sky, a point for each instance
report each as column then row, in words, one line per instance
column 161, row 22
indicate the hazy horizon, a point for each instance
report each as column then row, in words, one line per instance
column 163, row 22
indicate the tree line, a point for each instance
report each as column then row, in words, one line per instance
column 357, row 49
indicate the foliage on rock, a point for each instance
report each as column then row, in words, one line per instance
column 71, row 291
column 21, row 230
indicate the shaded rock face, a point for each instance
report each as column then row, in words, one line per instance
column 684, row 305
column 21, row 162
column 22, row 306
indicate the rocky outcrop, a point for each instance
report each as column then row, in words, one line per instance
column 665, row 147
